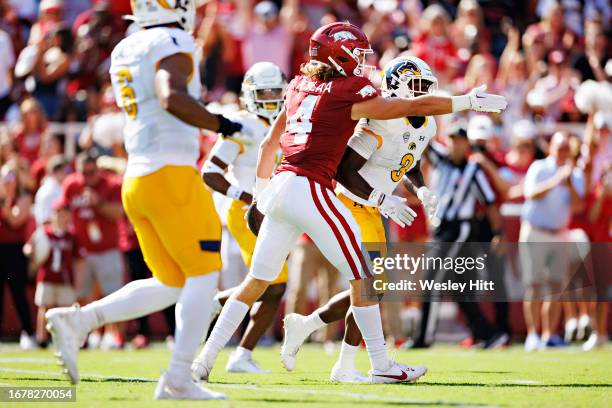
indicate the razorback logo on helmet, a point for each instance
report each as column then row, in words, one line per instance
column 367, row 91
column 344, row 36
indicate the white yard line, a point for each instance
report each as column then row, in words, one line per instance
column 369, row 397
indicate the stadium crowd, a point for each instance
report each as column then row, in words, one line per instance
column 62, row 155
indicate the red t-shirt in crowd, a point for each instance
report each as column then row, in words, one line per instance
column 59, row 267
column 127, row 236
column 319, row 124
column 10, row 235
column 601, row 229
column 29, row 145
column 439, row 53
column 94, row 232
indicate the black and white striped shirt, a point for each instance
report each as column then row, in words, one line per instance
column 459, row 187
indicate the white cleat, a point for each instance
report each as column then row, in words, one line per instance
column 350, row 376
column 532, row 342
column 295, row 335
column 595, row 341
column 185, row 389
column 27, row 342
column 242, row 364
column 397, row 373
column 199, row 370
column 68, row 332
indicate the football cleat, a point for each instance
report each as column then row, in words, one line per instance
column 67, row 330
column 295, row 335
column 350, row 376
column 397, row 373
column 242, row 364
column 168, row 388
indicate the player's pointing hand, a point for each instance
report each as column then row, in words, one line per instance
column 482, row 101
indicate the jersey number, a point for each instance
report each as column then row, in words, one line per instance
column 299, row 122
column 128, row 96
column 405, row 164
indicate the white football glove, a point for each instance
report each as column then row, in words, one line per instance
column 481, row 101
column 393, row 207
column 429, row 200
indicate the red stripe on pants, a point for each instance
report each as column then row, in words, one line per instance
column 334, row 229
column 349, row 233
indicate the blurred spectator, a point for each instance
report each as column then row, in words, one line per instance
column 51, row 68
column 15, row 205
column 553, row 190
column 590, row 63
column 29, row 131
column 434, row 45
column 468, row 31
column 7, row 61
column 557, row 34
column 51, row 145
column 95, row 200
column 49, row 18
column 51, row 189
column 267, row 33
column 550, row 95
column 104, row 131
column 54, row 278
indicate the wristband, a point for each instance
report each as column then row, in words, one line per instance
column 377, row 196
column 227, row 127
column 461, row 103
column 234, row 192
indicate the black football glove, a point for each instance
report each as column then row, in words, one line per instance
column 226, row 127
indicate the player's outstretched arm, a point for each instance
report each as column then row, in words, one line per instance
column 428, row 105
column 171, row 80
column 267, row 152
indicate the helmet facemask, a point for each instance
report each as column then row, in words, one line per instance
column 359, row 55
column 266, row 102
column 408, row 85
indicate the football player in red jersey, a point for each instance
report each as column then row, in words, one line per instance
column 322, row 107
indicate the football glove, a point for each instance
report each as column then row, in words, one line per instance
column 482, row 101
column 479, row 100
column 394, row 207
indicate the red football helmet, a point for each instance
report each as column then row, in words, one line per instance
column 342, row 45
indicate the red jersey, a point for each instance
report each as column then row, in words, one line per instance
column 94, row 232
column 319, row 124
column 601, row 229
column 59, row 267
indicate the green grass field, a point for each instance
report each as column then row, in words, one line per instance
column 456, row 377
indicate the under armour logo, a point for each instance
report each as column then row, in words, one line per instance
column 421, row 138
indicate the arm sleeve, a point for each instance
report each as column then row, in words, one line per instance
column 227, row 150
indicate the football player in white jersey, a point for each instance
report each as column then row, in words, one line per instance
column 380, row 154
column 156, row 82
column 230, row 170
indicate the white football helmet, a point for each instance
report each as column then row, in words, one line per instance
column 147, row 13
column 408, row 77
column 263, row 89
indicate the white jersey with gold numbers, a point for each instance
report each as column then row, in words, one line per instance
column 241, row 156
column 153, row 137
column 392, row 148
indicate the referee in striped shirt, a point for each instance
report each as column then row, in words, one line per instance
column 460, row 185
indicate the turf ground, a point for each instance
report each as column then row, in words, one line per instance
column 456, row 377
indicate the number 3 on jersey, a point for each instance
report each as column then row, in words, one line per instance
column 128, row 96
column 405, row 164
column 299, row 122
